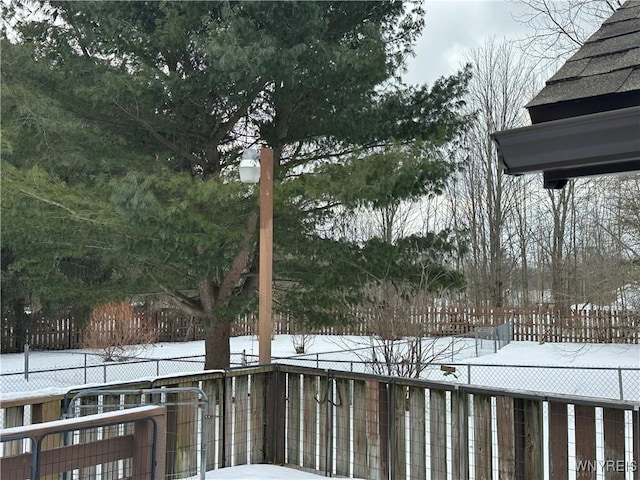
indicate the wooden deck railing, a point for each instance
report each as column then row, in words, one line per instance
column 47, row 456
column 375, row 427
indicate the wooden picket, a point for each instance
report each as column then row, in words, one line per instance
column 594, row 326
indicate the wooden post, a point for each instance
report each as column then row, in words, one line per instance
column 275, row 393
column 265, row 327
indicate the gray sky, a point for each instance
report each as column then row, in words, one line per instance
column 453, row 28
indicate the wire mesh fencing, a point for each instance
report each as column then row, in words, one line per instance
column 452, row 360
column 349, row 424
column 104, row 447
column 186, row 411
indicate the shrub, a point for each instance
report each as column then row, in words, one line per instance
column 117, row 332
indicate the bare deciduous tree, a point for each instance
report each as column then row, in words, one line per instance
column 560, row 28
column 489, row 202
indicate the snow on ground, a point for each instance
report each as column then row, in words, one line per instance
column 518, row 365
column 565, row 355
column 260, row 472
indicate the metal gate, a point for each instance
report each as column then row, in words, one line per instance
column 187, row 410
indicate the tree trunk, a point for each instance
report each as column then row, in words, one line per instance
column 216, row 344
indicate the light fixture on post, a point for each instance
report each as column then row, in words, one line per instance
column 253, row 171
column 249, row 167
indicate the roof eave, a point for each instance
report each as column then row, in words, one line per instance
column 594, row 144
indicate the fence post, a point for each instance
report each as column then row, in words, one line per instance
column 85, row 368
column 26, row 362
column 476, row 342
column 620, row 383
column 104, row 376
column 468, row 374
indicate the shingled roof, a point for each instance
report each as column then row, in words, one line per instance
column 604, row 74
column 586, row 120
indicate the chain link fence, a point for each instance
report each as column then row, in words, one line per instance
column 452, row 364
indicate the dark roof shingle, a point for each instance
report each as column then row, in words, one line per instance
column 608, row 62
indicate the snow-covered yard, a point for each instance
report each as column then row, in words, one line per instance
column 599, row 370
column 585, row 369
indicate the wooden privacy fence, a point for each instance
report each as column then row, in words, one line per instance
column 367, row 426
column 595, row 326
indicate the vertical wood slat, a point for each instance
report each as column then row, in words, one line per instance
column 399, row 399
column 558, row 441
column 172, row 431
column 613, row 426
column 310, row 414
column 88, row 406
column 187, row 432
column 506, row 438
column 482, row 436
column 417, row 434
column 373, row 426
column 110, row 403
column 130, row 400
column 257, row 398
column 13, row 417
column 241, row 414
column 534, row 465
column 359, row 430
column 343, row 428
column 438, row 427
column 635, row 456
column 459, row 435
column 47, row 412
column 324, row 425
column 229, row 408
column 211, row 388
column 585, row 421
column 293, row 420
column 275, row 424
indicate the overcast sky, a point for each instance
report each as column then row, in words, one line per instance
column 453, row 28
